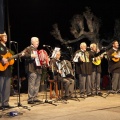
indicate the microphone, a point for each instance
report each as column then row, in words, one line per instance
column 88, row 48
column 13, row 42
column 46, row 46
column 69, row 47
column 104, row 47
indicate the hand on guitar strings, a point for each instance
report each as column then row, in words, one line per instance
column 4, row 60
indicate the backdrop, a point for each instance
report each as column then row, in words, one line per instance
column 1, row 17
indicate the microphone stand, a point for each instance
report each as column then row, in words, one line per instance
column 73, row 64
column 49, row 49
column 60, row 84
column 96, row 77
column 46, row 100
column 110, row 91
column 19, row 103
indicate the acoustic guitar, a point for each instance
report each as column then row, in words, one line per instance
column 97, row 60
column 116, row 59
column 11, row 60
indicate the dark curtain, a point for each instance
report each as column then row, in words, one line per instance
column 1, row 17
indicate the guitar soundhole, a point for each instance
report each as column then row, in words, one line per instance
column 2, row 63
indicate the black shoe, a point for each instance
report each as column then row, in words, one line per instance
column 90, row 95
column 65, row 97
column 100, row 94
column 7, row 106
column 71, row 96
column 82, row 96
column 113, row 91
column 30, row 102
column 93, row 93
column 1, row 108
column 36, row 100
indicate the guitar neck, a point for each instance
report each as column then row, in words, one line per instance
column 14, row 56
column 101, row 54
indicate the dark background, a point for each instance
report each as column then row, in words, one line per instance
column 35, row 18
column 28, row 18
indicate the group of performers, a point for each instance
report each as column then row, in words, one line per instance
column 89, row 73
column 89, row 68
column 87, row 63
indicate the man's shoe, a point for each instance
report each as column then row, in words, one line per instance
column 93, row 93
column 1, row 108
column 71, row 96
column 90, row 95
column 65, row 98
column 7, row 106
column 36, row 100
column 82, row 96
column 99, row 94
column 113, row 91
column 30, row 102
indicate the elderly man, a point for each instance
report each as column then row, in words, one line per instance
column 57, row 69
column 83, row 57
column 96, row 70
column 114, row 66
column 33, row 69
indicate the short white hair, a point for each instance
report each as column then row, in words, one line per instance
column 33, row 39
column 83, row 44
column 92, row 45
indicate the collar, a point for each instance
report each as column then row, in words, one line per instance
column 33, row 47
column 115, row 49
column 83, row 50
column 3, row 43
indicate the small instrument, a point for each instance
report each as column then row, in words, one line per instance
column 10, row 58
column 83, row 56
column 76, row 57
column 67, row 68
column 97, row 60
column 116, row 59
column 42, row 59
column 37, row 61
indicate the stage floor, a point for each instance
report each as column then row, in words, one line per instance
column 90, row 108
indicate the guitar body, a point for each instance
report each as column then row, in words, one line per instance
column 97, row 62
column 3, row 67
column 115, row 59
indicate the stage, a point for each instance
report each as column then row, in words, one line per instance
column 90, row 108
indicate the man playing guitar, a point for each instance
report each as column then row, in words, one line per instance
column 96, row 70
column 4, row 75
column 114, row 65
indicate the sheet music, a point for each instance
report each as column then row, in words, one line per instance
column 54, row 52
